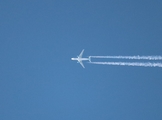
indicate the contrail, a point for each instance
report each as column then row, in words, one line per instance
column 147, row 64
column 131, row 57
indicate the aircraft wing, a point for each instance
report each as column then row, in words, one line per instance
column 80, row 56
column 81, row 64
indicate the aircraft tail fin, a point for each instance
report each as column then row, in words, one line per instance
column 89, row 58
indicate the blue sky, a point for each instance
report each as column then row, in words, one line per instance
column 38, row 80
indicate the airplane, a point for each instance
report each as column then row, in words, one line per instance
column 80, row 59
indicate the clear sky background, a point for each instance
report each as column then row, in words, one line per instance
column 38, row 80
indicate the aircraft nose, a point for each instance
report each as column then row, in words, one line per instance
column 72, row 58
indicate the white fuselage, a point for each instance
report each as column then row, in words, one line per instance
column 80, row 59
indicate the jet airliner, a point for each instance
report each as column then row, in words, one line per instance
column 80, row 59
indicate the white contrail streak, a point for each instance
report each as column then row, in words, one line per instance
column 147, row 64
column 131, row 57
